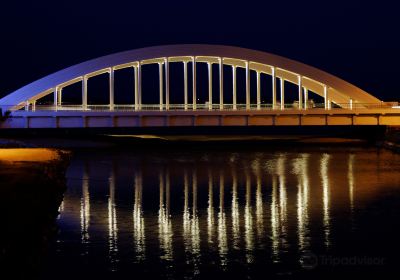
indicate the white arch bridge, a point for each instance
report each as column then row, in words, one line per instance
column 342, row 103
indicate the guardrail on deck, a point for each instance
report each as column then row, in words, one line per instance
column 204, row 107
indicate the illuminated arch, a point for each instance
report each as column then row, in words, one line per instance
column 319, row 82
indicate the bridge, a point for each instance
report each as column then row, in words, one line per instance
column 342, row 103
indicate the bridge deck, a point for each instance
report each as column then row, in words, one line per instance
column 293, row 117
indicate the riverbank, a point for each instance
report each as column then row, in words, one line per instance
column 392, row 139
column 179, row 141
column 75, row 138
column 32, row 187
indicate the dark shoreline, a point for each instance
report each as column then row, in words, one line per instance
column 238, row 137
column 213, row 138
column 154, row 143
column 31, row 193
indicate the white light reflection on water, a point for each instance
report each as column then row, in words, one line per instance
column 281, row 172
column 278, row 208
column 325, row 196
column 235, row 213
column 112, row 223
column 194, row 229
column 255, row 206
column 85, row 207
column 210, row 209
column 350, row 178
column 222, row 233
column 248, row 221
column 259, row 202
column 138, row 220
column 165, row 232
column 61, row 208
column 300, row 168
column 275, row 219
column 191, row 230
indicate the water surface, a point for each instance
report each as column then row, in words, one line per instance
column 280, row 213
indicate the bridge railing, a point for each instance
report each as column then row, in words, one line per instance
column 206, row 107
column 157, row 107
column 351, row 106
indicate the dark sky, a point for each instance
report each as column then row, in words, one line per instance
column 356, row 40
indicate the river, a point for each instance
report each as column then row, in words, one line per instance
column 306, row 212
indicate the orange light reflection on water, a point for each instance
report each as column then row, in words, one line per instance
column 28, row 154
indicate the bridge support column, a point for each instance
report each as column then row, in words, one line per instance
column 111, row 89
column 300, row 92
column 351, row 104
column 234, row 107
column 210, row 99
column 84, row 92
column 282, row 98
column 247, row 86
column 55, row 103
column 273, row 88
column 258, row 91
column 26, row 106
column 166, row 84
column 221, row 83
column 33, row 105
column 138, row 87
column 305, row 98
column 160, row 70
column 185, row 85
column 194, row 82
column 326, row 97
column 59, row 97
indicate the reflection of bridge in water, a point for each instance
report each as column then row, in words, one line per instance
column 242, row 105
column 261, row 204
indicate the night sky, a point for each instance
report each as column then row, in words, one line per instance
column 356, row 40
